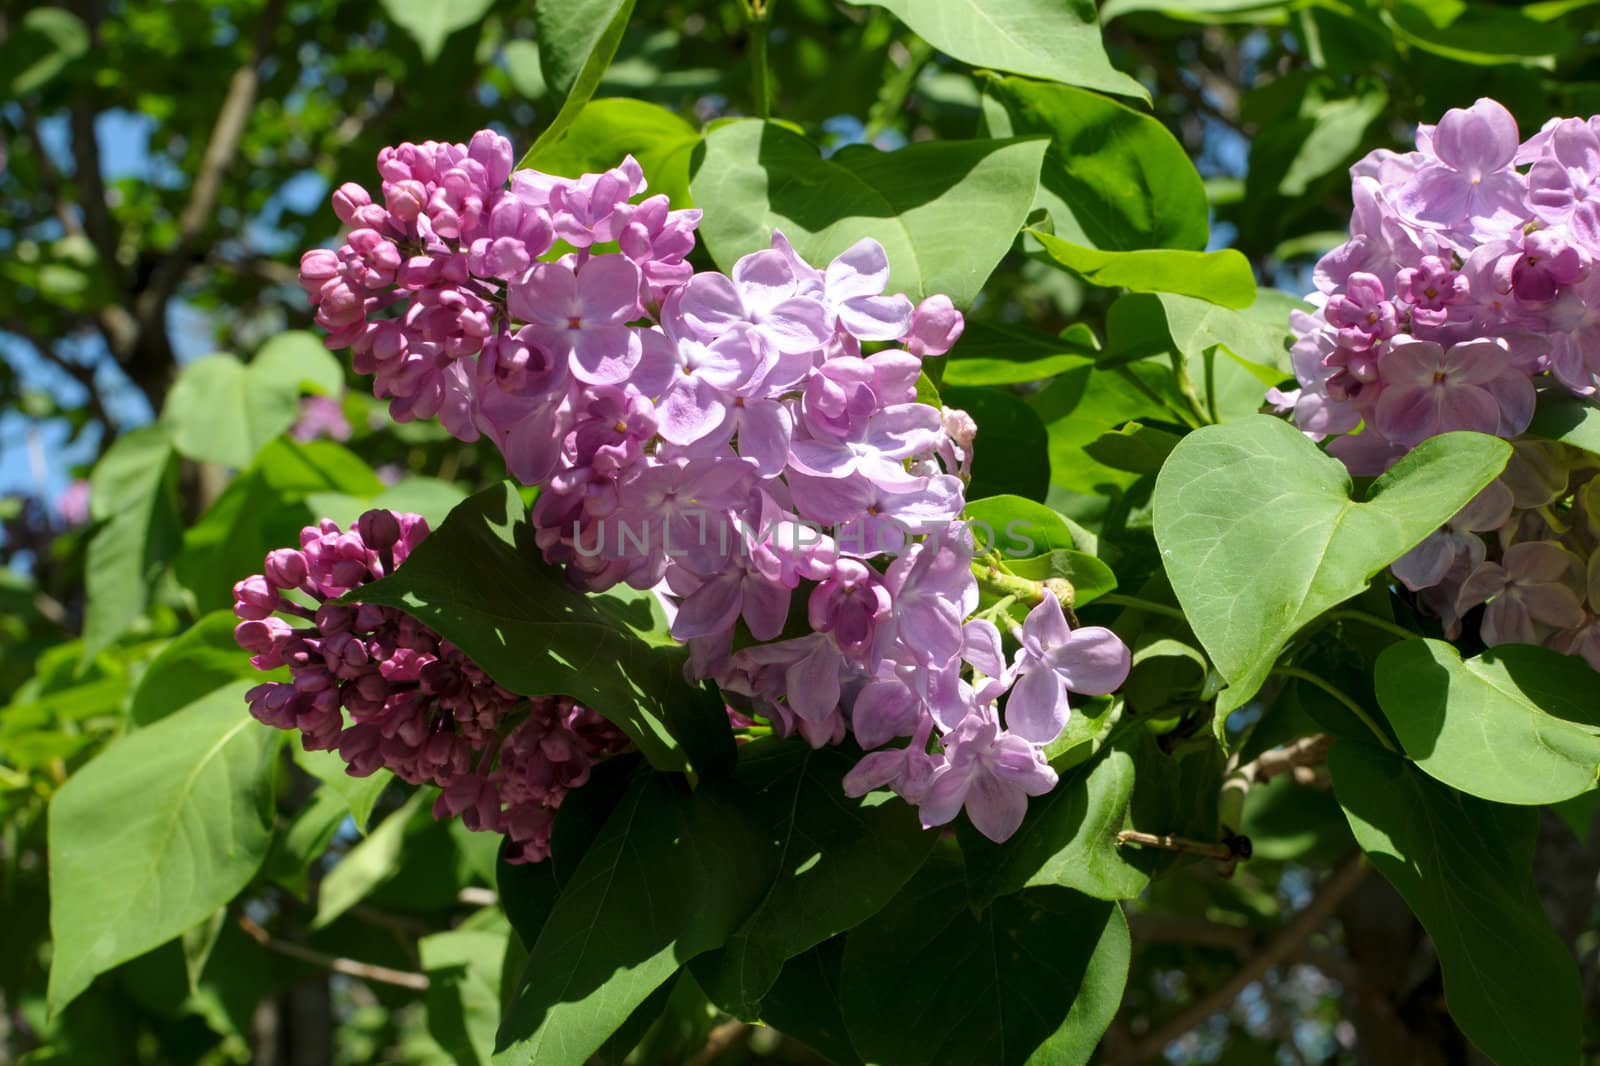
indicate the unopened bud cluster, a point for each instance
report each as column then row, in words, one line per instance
column 387, row 692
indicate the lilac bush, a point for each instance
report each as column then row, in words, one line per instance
column 750, row 446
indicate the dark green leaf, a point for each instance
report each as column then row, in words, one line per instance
column 478, row 581
column 1035, row 977
column 577, row 41
column 672, row 875
column 1069, row 837
column 991, row 353
column 1466, row 869
column 839, row 860
column 463, row 998
column 1010, row 456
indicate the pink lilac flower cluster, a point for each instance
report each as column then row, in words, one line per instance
column 386, row 691
column 1529, row 546
column 1469, row 275
column 749, row 445
column 1469, row 280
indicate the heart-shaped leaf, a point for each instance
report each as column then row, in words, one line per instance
column 1516, row 724
column 945, row 211
column 1259, row 533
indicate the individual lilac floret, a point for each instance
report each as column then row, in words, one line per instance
column 387, row 692
column 1054, row 660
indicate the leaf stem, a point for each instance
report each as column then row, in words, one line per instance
column 1349, row 704
column 1352, row 615
column 1134, row 603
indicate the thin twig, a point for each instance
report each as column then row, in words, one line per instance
column 226, row 134
column 1274, row 952
column 350, row 967
column 1222, row 851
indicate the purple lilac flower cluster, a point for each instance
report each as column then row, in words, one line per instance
column 1529, row 546
column 697, row 433
column 1469, row 273
column 1470, row 276
column 416, row 705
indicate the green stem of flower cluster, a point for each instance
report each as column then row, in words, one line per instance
column 758, row 14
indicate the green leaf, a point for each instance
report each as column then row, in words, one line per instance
column 1009, row 456
column 1222, row 277
column 1035, row 978
column 133, row 490
column 429, row 497
column 1259, row 534
column 360, row 794
column 1288, row 156
column 1016, row 527
column 839, row 860
column 606, row 130
column 46, row 41
column 1068, row 838
column 1136, row 448
column 478, row 581
column 1140, row 325
column 992, row 353
column 370, row 863
column 430, row 23
column 577, row 41
column 463, row 997
column 1113, row 178
column 298, row 359
column 1569, row 420
column 804, row 1004
column 1516, row 724
column 220, row 411
column 153, row 835
column 945, row 211
column 1465, row 867
column 1089, row 577
column 200, row 660
column 1058, row 40
column 672, row 875
column 1478, row 33
column 1081, row 405
column 264, row 508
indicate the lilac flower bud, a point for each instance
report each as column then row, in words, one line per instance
column 285, row 568
column 347, row 198
column 380, row 529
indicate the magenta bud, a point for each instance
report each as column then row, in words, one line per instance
column 380, row 529
column 286, row 568
column 348, row 198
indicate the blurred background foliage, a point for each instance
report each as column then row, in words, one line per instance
column 165, row 164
